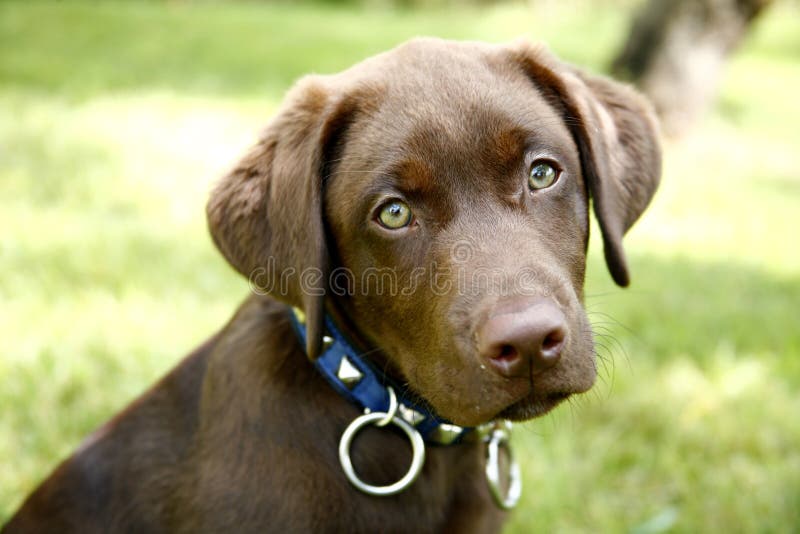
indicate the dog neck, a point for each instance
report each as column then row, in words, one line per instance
column 356, row 379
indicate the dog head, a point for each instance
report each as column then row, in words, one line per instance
column 437, row 197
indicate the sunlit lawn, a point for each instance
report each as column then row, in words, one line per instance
column 116, row 117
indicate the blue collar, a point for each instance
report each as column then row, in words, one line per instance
column 355, row 379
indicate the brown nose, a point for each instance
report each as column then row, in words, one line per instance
column 522, row 338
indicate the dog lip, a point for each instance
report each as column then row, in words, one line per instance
column 532, row 406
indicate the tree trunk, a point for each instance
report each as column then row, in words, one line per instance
column 676, row 50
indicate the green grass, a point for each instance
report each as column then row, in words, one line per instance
column 116, row 117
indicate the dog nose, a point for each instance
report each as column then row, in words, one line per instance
column 525, row 338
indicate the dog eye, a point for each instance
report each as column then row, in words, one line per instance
column 543, row 174
column 395, row 215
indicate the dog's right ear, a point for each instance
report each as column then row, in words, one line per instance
column 617, row 135
column 265, row 216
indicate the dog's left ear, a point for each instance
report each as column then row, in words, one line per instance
column 265, row 216
column 617, row 135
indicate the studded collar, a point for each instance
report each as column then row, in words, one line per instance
column 355, row 379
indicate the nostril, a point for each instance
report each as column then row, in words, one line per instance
column 553, row 340
column 506, row 359
column 553, row 343
column 507, row 352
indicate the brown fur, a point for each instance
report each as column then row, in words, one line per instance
column 242, row 436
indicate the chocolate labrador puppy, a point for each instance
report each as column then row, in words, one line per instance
column 415, row 232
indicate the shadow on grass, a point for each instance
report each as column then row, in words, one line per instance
column 683, row 307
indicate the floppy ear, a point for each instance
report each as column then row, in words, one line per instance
column 265, row 216
column 616, row 133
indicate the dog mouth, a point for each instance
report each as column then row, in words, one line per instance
column 533, row 405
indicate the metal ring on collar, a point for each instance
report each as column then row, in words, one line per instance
column 497, row 439
column 392, row 408
column 417, row 460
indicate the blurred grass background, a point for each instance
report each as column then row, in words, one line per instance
column 115, row 117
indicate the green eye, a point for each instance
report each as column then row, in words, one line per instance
column 395, row 215
column 542, row 175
